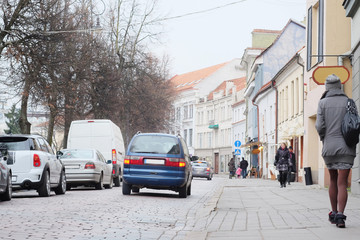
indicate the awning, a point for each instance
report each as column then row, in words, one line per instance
column 251, row 144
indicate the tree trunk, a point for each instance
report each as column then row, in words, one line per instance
column 68, row 117
column 25, row 125
column 50, row 134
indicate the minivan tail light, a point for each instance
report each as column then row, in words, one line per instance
column 133, row 160
column 113, row 154
column 208, row 169
column 175, row 162
column 90, row 165
column 36, row 160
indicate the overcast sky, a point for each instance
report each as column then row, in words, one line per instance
column 217, row 36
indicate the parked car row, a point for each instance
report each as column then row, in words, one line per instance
column 95, row 157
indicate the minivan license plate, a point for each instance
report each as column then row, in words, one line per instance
column 154, row 161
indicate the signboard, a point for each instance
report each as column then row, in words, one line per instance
column 237, row 152
column 322, row 72
column 237, row 143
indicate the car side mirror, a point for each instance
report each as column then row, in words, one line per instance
column 59, row 154
column 109, row 162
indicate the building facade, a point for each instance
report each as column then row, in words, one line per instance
column 327, row 44
column 214, row 124
column 353, row 12
column 194, row 87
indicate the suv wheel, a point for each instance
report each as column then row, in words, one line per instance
column 189, row 190
column 61, row 189
column 99, row 185
column 183, row 192
column 6, row 196
column 126, row 188
column 44, row 189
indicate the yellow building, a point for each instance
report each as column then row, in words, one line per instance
column 289, row 85
column 328, row 44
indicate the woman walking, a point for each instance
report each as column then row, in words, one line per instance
column 282, row 162
column 338, row 156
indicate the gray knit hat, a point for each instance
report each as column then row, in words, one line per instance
column 332, row 82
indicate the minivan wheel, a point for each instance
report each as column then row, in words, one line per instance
column 99, row 185
column 6, row 196
column 126, row 188
column 44, row 189
column 61, row 189
column 117, row 181
column 183, row 192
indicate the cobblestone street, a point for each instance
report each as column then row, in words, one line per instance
column 217, row 209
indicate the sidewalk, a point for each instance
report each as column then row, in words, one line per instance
column 260, row 209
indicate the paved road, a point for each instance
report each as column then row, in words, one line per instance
column 217, row 209
column 106, row 214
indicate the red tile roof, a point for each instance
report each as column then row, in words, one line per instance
column 189, row 80
column 267, row 31
column 240, row 83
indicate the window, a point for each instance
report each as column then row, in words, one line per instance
column 185, row 112
column 200, row 140
column 177, row 115
column 190, row 137
column 297, row 100
column 191, row 111
column 315, row 34
column 210, row 140
column 185, row 135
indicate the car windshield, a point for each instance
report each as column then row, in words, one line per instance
column 15, row 143
column 155, row 144
column 199, row 165
column 77, row 154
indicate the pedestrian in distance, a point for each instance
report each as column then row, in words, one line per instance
column 232, row 168
column 292, row 168
column 238, row 170
column 244, row 165
column 282, row 163
column 338, row 156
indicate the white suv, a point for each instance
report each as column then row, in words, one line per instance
column 34, row 164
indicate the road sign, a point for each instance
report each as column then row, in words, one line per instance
column 237, row 152
column 322, row 72
column 237, row 143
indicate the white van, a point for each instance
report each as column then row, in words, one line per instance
column 100, row 134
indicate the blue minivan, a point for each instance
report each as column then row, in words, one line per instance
column 157, row 161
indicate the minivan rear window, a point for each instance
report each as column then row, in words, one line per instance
column 16, row 143
column 155, row 145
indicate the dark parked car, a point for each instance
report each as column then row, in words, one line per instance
column 202, row 169
column 5, row 176
column 157, row 161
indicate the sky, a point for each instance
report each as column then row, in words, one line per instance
column 201, row 40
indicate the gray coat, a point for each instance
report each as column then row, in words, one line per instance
column 331, row 112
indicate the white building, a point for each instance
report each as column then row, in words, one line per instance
column 194, row 87
column 214, row 124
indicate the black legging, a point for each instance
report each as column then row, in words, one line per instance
column 283, row 177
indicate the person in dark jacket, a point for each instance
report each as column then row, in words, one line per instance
column 292, row 168
column 232, row 168
column 243, row 166
column 282, row 162
column 338, row 156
